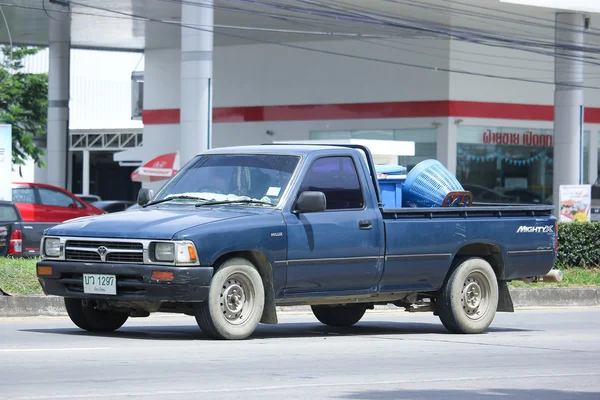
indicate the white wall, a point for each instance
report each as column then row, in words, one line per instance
column 262, row 75
column 100, row 87
column 512, row 63
column 273, row 75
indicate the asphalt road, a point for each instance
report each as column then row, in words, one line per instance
column 532, row 354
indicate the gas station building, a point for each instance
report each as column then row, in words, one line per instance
column 228, row 73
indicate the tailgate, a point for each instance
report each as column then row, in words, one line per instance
column 5, row 232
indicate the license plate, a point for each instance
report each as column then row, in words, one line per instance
column 99, row 284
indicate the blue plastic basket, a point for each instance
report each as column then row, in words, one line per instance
column 427, row 184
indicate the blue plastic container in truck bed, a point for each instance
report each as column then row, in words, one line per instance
column 391, row 177
column 428, row 184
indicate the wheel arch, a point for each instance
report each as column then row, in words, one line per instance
column 265, row 269
column 490, row 252
column 493, row 254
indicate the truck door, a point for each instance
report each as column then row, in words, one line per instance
column 336, row 250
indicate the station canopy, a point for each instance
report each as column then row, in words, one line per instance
column 147, row 24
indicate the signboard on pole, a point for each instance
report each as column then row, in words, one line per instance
column 575, row 202
column 5, row 162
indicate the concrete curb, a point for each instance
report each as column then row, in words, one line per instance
column 30, row 306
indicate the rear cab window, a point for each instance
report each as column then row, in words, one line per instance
column 8, row 213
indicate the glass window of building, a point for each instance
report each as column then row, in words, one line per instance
column 511, row 165
column 425, row 140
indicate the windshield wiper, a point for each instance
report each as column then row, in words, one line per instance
column 174, row 198
column 214, row 203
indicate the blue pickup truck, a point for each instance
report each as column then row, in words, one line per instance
column 241, row 230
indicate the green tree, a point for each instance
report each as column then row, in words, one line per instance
column 23, row 103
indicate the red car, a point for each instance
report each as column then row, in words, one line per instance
column 39, row 203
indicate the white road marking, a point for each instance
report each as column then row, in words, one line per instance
column 58, row 349
column 301, row 386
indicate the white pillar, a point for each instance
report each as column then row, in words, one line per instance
column 196, row 78
column 446, row 144
column 69, row 170
column 58, row 96
column 40, row 174
column 593, row 157
column 85, row 176
column 568, row 103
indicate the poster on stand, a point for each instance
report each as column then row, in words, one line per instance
column 5, row 162
column 575, row 203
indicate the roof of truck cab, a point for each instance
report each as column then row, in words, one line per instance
column 295, row 149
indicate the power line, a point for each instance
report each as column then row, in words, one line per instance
column 329, row 52
column 443, row 69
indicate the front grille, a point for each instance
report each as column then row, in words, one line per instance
column 117, row 252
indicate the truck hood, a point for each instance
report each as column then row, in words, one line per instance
column 152, row 223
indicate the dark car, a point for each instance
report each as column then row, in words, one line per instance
column 16, row 238
column 111, row 206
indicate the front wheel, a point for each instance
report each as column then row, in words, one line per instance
column 85, row 315
column 468, row 301
column 235, row 301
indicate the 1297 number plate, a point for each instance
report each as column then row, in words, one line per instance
column 99, row 284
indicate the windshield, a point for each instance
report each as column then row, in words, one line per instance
column 230, row 177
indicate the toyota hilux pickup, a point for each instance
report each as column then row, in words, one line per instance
column 241, row 230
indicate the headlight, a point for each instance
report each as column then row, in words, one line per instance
column 165, row 252
column 179, row 253
column 52, row 247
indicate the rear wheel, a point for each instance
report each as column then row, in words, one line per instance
column 468, row 301
column 86, row 316
column 235, row 302
column 342, row 315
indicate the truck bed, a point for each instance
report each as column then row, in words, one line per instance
column 421, row 242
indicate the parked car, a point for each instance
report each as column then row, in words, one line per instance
column 89, row 198
column 241, row 230
column 482, row 194
column 525, row 196
column 42, row 204
column 111, row 206
column 17, row 238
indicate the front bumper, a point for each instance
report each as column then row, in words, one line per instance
column 134, row 281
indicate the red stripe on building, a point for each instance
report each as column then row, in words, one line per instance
column 161, row 117
column 531, row 112
column 411, row 109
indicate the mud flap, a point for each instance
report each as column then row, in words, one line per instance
column 505, row 303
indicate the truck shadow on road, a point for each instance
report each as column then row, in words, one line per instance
column 481, row 394
column 282, row 330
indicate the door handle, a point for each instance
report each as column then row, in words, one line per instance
column 365, row 224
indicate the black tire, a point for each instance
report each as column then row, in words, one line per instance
column 88, row 318
column 469, row 300
column 235, row 301
column 342, row 315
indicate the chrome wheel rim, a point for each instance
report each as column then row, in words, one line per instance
column 475, row 296
column 237, row 299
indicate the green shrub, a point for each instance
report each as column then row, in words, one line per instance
column 579, row 244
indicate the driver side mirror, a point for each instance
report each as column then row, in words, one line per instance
column 309, row 202
column 144, row 196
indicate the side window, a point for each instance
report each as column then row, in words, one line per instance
column 23, row 195
column 51, row 197
column 338, row 179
